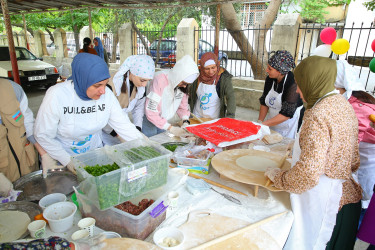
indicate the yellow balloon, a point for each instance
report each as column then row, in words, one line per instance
column 340, row 46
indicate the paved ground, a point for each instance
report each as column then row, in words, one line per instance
column 35, row 97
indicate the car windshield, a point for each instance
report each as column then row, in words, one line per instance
column 21, row 54
column 165, row 45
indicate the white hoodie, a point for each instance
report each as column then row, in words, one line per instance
column 66, row 125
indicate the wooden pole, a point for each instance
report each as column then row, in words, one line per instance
column 12, row 50
column 24, row 28
column 90, row 24
column 217, row 30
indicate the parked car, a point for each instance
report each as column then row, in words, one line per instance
column 32, row 71
column 168, row 49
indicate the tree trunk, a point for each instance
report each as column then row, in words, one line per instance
column 161, row 35
column 75, row 32
column 115, row 40
column 134, row 26
column 257, row 54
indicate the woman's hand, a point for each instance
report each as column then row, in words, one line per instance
column 271, row 173
column 48, row 163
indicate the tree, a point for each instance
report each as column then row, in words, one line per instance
column 257, row 54
column 370, row 5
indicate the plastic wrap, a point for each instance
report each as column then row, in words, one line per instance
column 143, row 167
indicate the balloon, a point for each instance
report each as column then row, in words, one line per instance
column 340, row 46
column 328, row 35
column 373, row 45
column 323, row 50
column 372, row 65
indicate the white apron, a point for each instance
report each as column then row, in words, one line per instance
column 208, row 104
column 314, row 211
column 273, row 100
column 366, row 171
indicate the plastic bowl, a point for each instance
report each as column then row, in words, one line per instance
column 51, row 199
column 169, row 232
column 60, row 216
column 111, row 235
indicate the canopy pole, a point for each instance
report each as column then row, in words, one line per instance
column 24, row 28
column 217, row 30
column 12, row 50
column 90, row 24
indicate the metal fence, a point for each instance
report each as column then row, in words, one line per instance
column 359, row 55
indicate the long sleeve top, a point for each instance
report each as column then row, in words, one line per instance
column 328, row 141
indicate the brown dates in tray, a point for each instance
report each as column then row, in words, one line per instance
column 130, row 208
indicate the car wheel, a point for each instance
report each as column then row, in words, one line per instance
column 224, row 63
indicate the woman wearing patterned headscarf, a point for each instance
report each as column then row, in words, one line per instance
column 73, row 113
column 129, row 86
column 279, row 96
column 325, row 199
column 212, row 95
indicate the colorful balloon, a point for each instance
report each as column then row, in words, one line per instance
column 323, row 50
column 340, row 46
column 328, row 35
column 372, row 65
column 373, row 45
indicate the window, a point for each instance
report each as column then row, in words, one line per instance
column 252, row 13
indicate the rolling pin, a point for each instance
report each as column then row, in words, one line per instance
column 199, row 120
column 237, row 232
column 214, row 183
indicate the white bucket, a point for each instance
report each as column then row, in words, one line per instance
column 60, row 216
column 51, row 199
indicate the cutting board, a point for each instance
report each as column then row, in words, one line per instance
column 225, row 164
column 127, row 243
column 204, row 226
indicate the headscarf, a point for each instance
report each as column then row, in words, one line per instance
column 205, row 78
column 182, row 70
column 346, row 78
column 139, row 65
column 315, row 76
column 282, row 61
column 99, row 49
column 87, row 69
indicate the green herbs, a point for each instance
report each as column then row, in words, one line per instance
column 171, row 146
column 98, row 170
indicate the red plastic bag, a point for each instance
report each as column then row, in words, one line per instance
column 224, row 130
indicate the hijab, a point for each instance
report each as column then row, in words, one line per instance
column 282, row 61
column 99, row 49
column 205, row 78
column 139, row 65
column 347, row 79
column 315, row 76
column 87, row 69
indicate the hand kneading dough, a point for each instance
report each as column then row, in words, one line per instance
column 256, row 163
column 273, row 138
column 13, row 224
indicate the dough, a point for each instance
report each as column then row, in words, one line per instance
column 256, row 163
column 13, row 224
column 273, row 138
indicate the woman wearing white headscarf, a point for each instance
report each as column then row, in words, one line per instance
column 364, row 105
column 128, row 85
column 167, row 96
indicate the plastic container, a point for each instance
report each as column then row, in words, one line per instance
column 51, row 199
column 128, row 225
column 60, row 216
column 111, row 235
column 143, row 167
column 201, row 166
column 172, row 235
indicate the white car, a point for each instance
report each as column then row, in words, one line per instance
column 32, row 71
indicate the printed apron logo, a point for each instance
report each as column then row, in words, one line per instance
column 79, row 149
column 205, row 100
column 272, row 100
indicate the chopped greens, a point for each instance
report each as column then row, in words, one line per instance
column 98, row 170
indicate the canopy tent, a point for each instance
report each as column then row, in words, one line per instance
column 10, row 7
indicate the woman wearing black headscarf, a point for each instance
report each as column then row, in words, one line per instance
column 279, row 96
column 73, row 113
